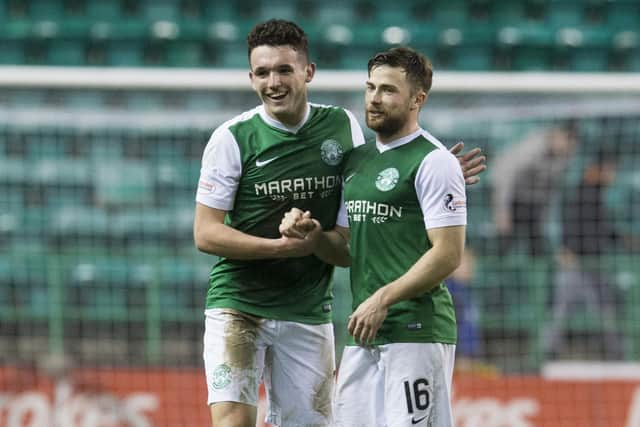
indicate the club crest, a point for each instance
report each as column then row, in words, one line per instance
column 387, row 179
column 331, row 152
column 221, row 376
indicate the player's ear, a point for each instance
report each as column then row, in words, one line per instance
column 310, row 69
column 419, row 99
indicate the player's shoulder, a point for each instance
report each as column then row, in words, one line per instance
column 223, row 137
column 246, row 117
column 333, row 111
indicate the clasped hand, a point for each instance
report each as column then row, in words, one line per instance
column 300, row 232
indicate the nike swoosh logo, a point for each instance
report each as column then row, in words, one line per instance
column 349, row 177
column 259, row 163
column 414, row 421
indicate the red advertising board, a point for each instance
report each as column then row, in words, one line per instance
column 175, row 398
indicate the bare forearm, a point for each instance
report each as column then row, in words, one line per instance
column 333, row 248
column 433, row 267
column 225, row 241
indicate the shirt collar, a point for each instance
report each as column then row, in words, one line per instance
column 398, row 142
column 276, row 124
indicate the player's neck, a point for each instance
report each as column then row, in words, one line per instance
column 407, row 129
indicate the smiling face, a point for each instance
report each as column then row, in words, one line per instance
column 279, row 75
column 391, row 107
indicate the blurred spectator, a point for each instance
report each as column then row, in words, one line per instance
column 586, row 235
column 525, row 177
column 467, row 313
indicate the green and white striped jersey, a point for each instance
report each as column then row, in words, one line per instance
column 392, row 193
column 257, row 169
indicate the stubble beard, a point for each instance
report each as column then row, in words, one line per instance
column 387, row 126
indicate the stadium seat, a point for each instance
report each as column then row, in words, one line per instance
column 525, row 48
column 623, row 14
column 61, row 172
column 12, row 52
column 71, row 225
column 66, row 52
column 450, row 13
column 473, row 51
column 280, row 9
column 335, row 12
column 46, row 10
column 98, row 290
column 565, row 13
column 507, row 12
column 13, row 171
column 184, row 53
column 125, row 53
column 582, row 50
column 127, row 182
column 511, row 283
column 159, row 10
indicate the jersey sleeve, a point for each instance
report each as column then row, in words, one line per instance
column 343, row 219
column 220, row 171
column 441, row 190
column 356, row 131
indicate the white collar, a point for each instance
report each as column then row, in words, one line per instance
column 276, row 124
column 398, row 142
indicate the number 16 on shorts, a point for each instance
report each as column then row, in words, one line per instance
column 418, row 398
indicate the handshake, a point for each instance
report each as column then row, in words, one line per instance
column 300, row 234
column 299, row 224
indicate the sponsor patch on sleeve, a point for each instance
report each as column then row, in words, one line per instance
column 454, row 203
column 205, row 188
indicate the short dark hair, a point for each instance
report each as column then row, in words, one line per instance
column 278, row 32
column 416, row 65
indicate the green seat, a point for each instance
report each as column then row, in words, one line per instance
column 475, row 50
column 103, row 10
column 218, row 11
column 69, row 224
column 513, row 291
column 66, row 52
column 50, row 10
column 450, row 12
column 84, row 100
column 623, row 14
column 388, row 13
column 335, row 12
column 125, row 53
column 61, row 172
column 175, row 175
column 526, row 47
column 149, row 101
column 280, row 9
column 127, row 182
column 531, row 58
column 98, row 290
column 565, row 13
column 234, row 55
column 12, row 52
column 590, row 59
column 507, row 12
column 182, row 288
column 160, row 10
column 14, row 171
column 583, row 50
column 184, row 53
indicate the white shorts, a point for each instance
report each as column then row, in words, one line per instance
column 296, row 361
column 394, row 385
